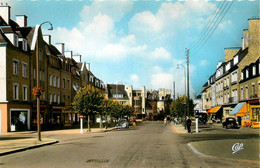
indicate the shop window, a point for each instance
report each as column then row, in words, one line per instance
column 19, row 120
column 255, row 114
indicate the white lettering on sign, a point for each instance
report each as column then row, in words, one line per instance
column 237, row 147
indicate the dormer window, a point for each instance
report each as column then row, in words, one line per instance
column 22, row 44
column 254, row 70
column 235, row 59
column 227, row 66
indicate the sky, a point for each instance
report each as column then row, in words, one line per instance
column 141, row 42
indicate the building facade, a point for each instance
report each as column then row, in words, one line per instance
column 235, row 86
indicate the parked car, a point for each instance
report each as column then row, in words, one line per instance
column 230, row 123
column 123, row 123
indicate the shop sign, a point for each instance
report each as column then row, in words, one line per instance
column 81, row 116
column 246, row 117
column 254, row 101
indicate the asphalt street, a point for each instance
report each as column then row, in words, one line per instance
column 149, row 145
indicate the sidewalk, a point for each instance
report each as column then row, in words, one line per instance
column 10, row 143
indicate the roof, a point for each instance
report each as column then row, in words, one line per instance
column 116, row 89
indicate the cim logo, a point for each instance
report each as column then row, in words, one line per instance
column 237, row 147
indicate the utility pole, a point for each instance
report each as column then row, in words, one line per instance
column 188, row 82
column 173, row 90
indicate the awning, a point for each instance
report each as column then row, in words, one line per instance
column 215, row 110
column 237, row 108
column 209, row 110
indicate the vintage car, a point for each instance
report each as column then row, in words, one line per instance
column 230, row 123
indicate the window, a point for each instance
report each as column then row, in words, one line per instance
column 235, row 59
column 246, row 92
column 228, row 81
column 41, row 55
column 242, row 94
column 58, row 82
column 54, row 81
column 43, row 95
column 247, row 73
column 16, row 91
column 43, row 75
column 68, row 84
column 24, row 70
column 34, row 73
column 64, row 85
column 50, row 80
column 54, row 98
column 242, row 76
column 58, row 99
column 234, row 77
column 15, row 67
column 25, row 93
column 50, row 98
column 253, row 90
column 68, row 100
column 227, row 66
column 40, row 75
column 254, row 70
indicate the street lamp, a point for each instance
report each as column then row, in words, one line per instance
column 37, row 81
column 178, row 67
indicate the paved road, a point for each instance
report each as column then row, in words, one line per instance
column 149, row 145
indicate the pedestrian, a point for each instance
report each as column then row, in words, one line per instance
column 188, row 124
column 165, row 121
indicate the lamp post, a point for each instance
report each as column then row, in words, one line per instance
column 37, row 81
column 178, row 66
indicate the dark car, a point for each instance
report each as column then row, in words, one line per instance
column 230, row 123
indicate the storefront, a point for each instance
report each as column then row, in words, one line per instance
column 55, row 116
column 69, row 116
column 44, row 109
column 240, row 111
column 254, row 111
column 215, row 114
column 19, row 119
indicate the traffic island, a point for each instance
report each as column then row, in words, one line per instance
column 228, row 149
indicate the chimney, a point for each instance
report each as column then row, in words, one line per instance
column 60, row 47
column 47, row 39
column 68, row 54
column 21, row 20
column 88, row 66
column 5, row 13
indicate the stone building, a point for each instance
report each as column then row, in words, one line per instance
column 235, row 86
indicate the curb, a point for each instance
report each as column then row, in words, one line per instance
column 28, row 148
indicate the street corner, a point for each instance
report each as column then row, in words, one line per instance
column 245, row 150
column 18, row 145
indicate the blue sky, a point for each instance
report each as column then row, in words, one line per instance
column 141, row 42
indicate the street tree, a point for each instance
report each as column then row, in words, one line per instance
column 88, row 101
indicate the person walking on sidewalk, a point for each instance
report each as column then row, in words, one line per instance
column 188, row 124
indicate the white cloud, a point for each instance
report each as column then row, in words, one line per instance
column 224, row 25
column 115, row 9
column 134, row 77
column 160, row 53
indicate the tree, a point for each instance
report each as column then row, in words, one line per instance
column 88, row 101
column 178, row 107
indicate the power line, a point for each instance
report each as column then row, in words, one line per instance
column 208, row 23
column 213, row 29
